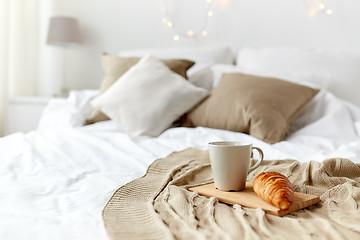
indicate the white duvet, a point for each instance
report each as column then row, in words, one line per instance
column 55, row 182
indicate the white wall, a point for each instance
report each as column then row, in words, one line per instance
column 112, row 25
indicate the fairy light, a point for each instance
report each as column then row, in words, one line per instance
column 190, row 33
column 169, row 24
column 317, row 7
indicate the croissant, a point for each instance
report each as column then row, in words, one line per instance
column 274, row 188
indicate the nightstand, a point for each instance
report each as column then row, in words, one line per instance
column 22, row 114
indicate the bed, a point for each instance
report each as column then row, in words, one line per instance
column 55, row 181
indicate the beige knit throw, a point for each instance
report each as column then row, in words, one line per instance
column 159, row 206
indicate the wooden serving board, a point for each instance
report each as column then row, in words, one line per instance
column 248, row 198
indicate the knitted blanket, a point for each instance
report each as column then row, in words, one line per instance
column 159, row 206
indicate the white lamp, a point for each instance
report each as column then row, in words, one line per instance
column 63, row 32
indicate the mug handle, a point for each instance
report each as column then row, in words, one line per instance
column 261, row 155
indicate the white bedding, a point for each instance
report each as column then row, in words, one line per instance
column 55, row 182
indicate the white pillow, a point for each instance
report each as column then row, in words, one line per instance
column 70, row 112
column 148, row 98
column 311, row 79
column 342, row 68
column 204, row 57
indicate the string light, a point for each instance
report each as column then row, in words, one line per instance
column 169, row 24
column 318, row 7
column 190, row 33
column 315, row 7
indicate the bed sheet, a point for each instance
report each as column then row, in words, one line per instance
column 55, row 182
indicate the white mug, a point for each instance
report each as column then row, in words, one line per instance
column 230, row 164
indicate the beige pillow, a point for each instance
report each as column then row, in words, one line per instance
column 114, row 67
column 259, row 106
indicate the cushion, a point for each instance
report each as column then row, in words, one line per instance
column 314, row 80
column 67, row 112
column 148, row 98
column 114, row 67
column 259, row 106
column 204, row 57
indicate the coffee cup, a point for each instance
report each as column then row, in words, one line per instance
column 230, row 164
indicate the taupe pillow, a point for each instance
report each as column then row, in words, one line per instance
column 114, row 67
column 259, row 106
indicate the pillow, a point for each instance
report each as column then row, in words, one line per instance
column 69, row 112
column 313, row 80
column 204, row 57
column 342, row 68
column 114, row 67
column 259, row 106
column 148, row 98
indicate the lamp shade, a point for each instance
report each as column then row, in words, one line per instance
column 63, row 31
